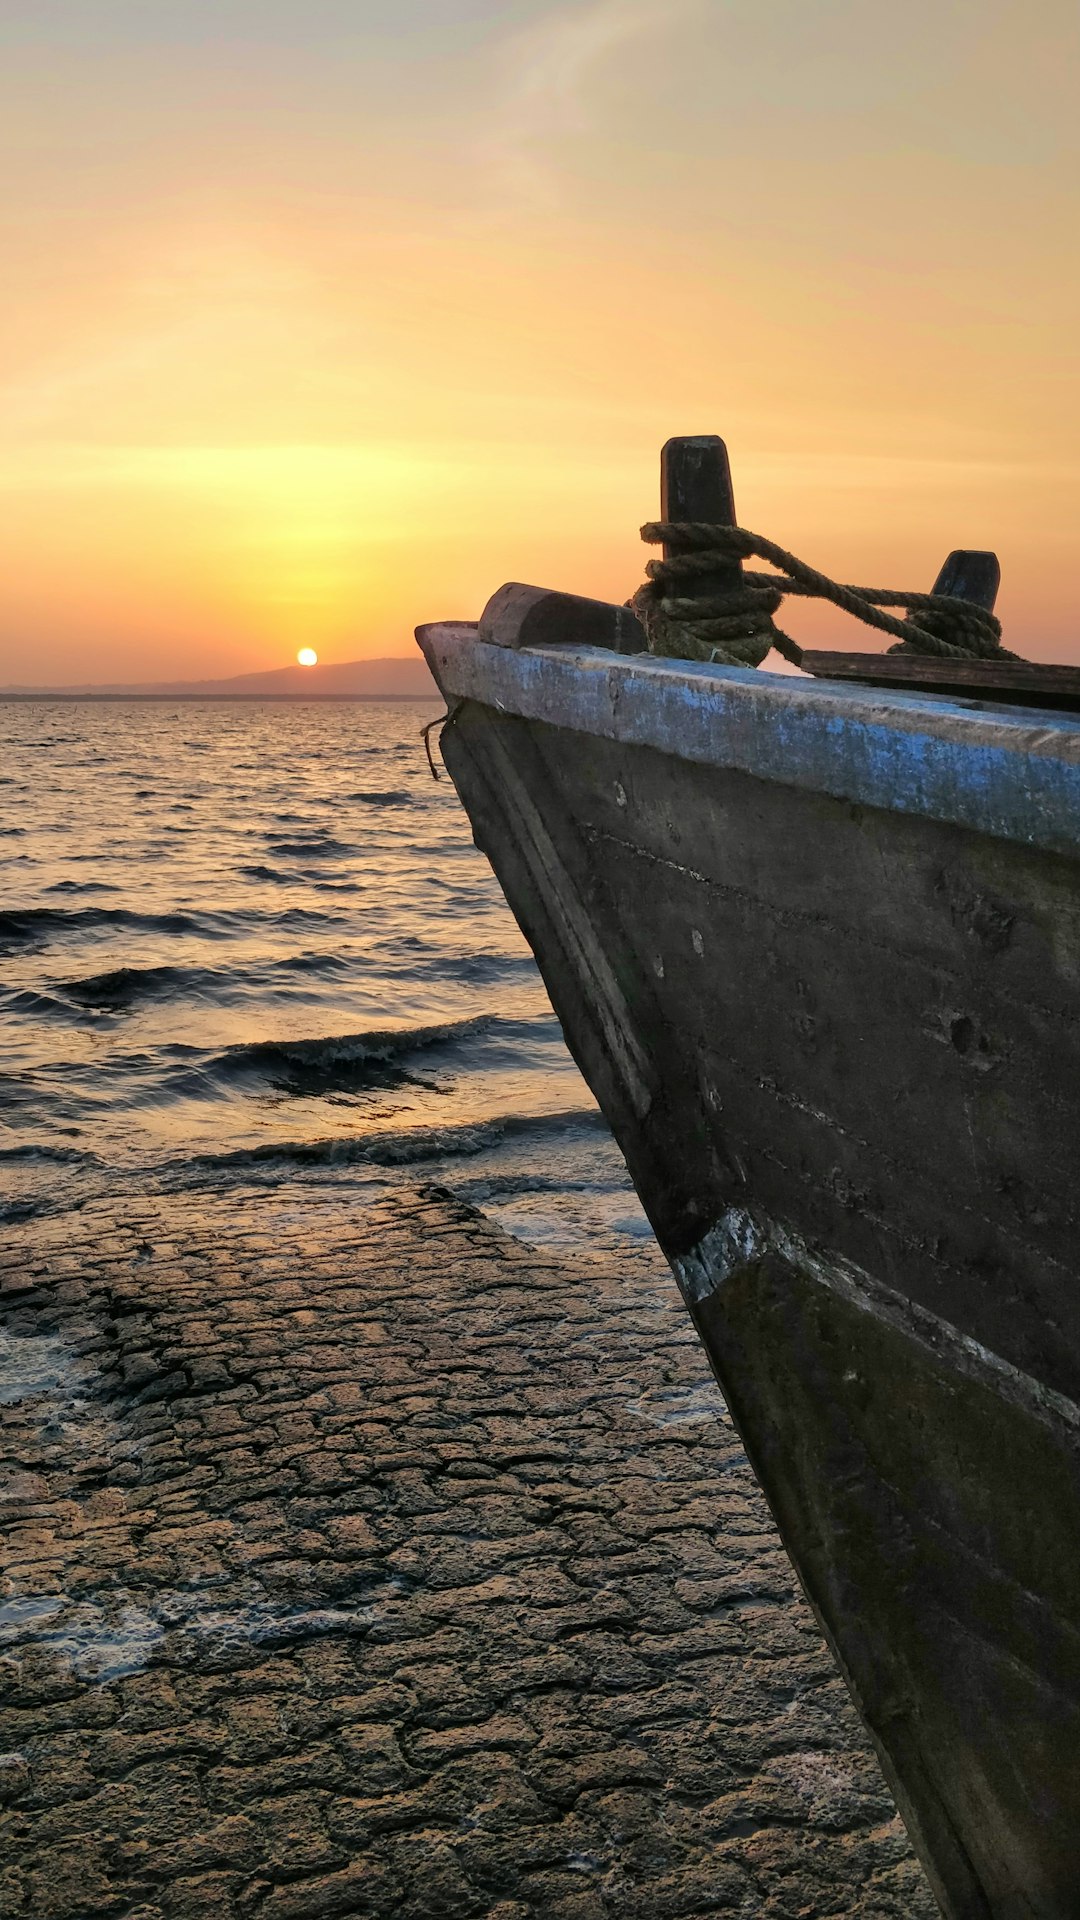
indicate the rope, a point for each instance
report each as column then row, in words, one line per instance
column 441, row 720
column 736, row 626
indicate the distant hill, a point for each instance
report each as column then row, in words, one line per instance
column 404, row 677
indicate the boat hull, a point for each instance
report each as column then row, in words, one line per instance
column 838, row 1042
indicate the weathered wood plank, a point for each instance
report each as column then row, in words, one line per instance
column 970, row 573
column 1021, row 682
column 523, row 616
column 1005, row 773
column 695, row 484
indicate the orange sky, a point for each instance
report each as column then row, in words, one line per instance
column 319, row 322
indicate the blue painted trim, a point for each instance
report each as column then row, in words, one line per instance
column 1012, row 774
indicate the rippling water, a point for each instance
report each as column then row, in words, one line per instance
column 247, row 943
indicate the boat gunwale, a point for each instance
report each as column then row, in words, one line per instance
column 1011, row 773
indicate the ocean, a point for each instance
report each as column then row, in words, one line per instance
column 248, row 943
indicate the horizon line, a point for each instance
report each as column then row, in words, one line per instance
column 47, row 693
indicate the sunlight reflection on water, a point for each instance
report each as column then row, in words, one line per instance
column 239, row 939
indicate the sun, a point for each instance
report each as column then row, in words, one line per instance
column 308, row 657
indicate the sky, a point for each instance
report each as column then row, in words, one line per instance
column 321, row 320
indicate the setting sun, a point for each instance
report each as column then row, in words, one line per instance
column 308, row 657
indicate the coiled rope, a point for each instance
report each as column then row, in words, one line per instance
column 736, row 626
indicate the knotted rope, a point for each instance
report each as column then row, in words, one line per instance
column 736, row 626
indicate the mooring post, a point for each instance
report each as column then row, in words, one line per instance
column 695, row 484
column 969, row 574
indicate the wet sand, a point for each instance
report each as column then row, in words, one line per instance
column 361, row 1560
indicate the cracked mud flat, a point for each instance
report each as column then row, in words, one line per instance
column 361, row 1560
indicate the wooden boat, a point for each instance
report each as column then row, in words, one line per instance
column 815, row 945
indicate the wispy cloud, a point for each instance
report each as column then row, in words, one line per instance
column 552, row 81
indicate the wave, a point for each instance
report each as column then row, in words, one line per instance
column 124, row 987
column 299, row 917
column 31, row 922
column 384, row 1042
column 408, row 1147
column 351, row 1062
column 80, row 886
column 23, row 926
column 35, row 1006
column 311, row 847
column 475, row 968
column 67, row 1156
column 120, row 989
column 315, row 963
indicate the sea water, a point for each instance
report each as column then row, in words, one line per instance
column 252, row 943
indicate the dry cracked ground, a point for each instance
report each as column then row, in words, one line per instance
column 361, row 1560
